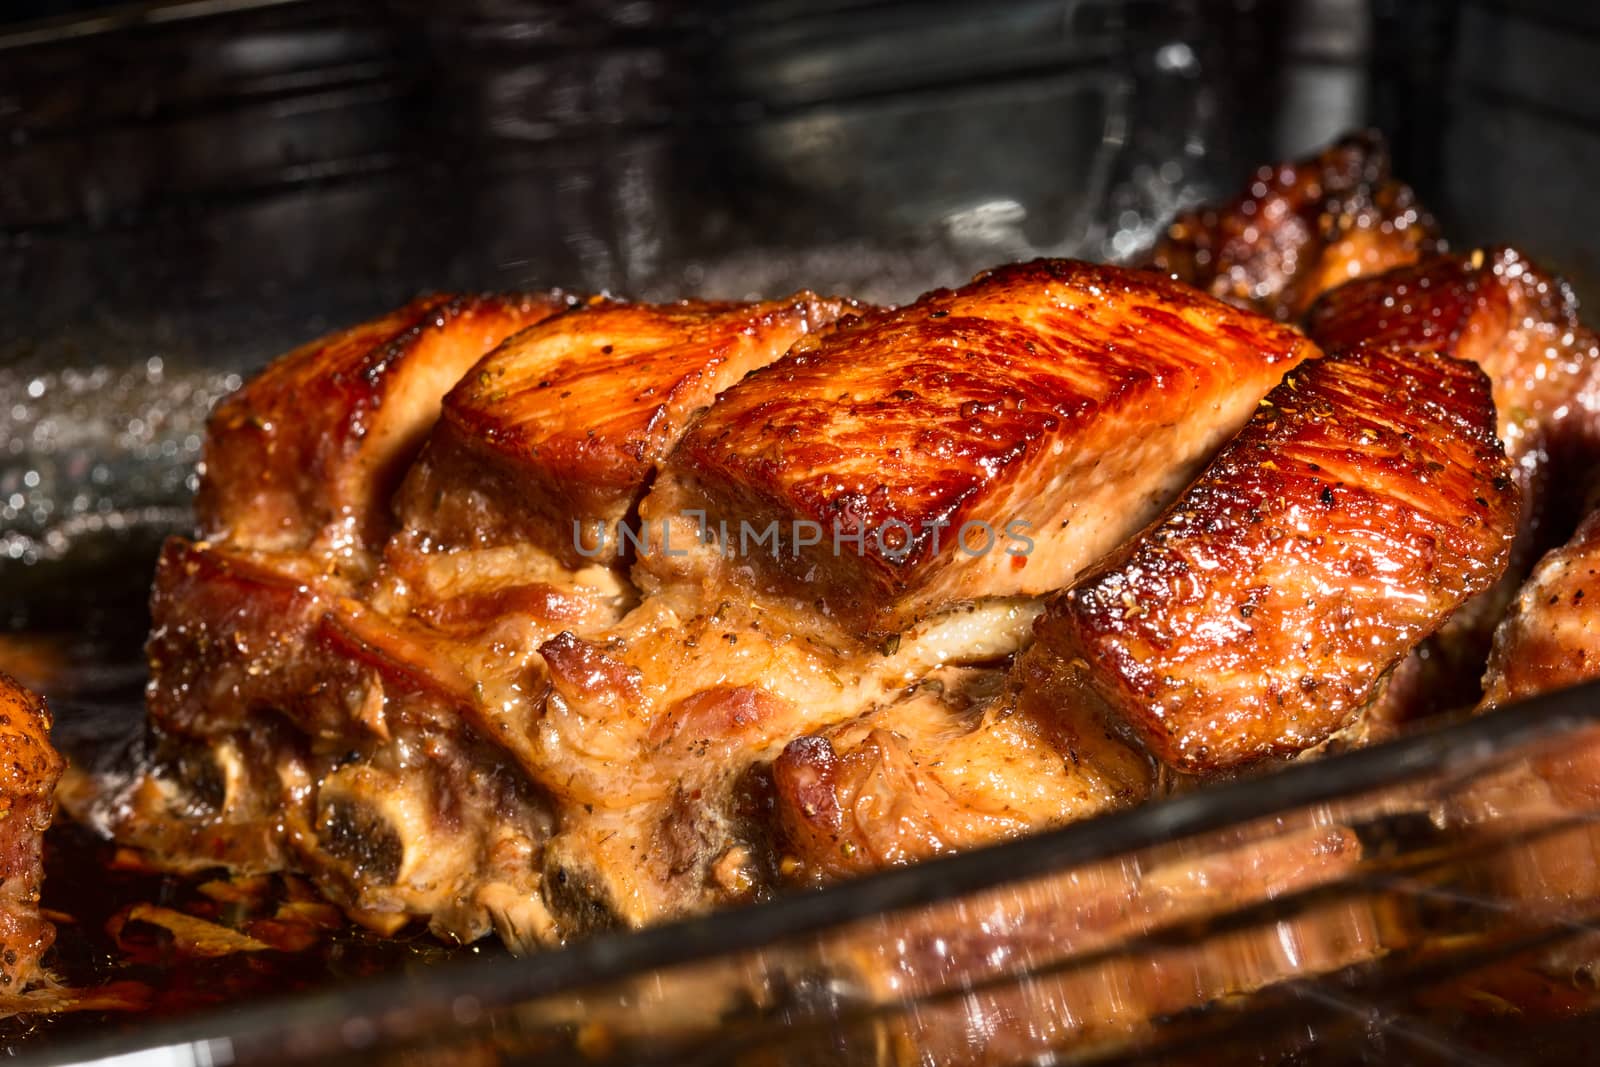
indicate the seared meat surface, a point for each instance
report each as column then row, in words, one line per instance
column 312, row 448
column 1300, row 229
column 1054, row 401
column 31, row 768
column 1551, row 637
column 551, row 439
column 1521, row 325
column 1364, row 503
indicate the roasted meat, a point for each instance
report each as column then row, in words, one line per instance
column 552, row 438
column 31, row 769
column 310, row 451
column 1356, row 512
column 484, row 722
column 1550, row 639
column 1521, row 325
column 675, row 603
column 986, row 441
column 1300, row 229
column 963, row 761
column 1364, row 501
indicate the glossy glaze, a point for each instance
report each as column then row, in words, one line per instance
column 1062, row 399
column 566, row 422
column 1299, row 229
column 312, row 448
column 1365, row 501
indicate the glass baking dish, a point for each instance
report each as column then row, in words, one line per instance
column 187, row 189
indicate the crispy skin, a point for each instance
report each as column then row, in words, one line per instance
column 1521, row 325
column 1364, row 503
column 31, row 769
column 1551, row 637
column 565, row 423
column 1072, row 398
column 313, row 447
column 1300, row 229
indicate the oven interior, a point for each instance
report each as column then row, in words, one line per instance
column 189, row 188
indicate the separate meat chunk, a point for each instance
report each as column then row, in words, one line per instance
column 1522, row 326
column 1519, row 323
column 27, row 784
column 310, row 451
column 1360, row 507
column 1551, row 637
column 987, row 441
column 552, row 438
column 1300, row 229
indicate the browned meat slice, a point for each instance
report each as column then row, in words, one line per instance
column 1551, row 637
column 1495, row 308
column 1362, row 506
column 1300, row 229
column 1521, row 325
column 313, row 447
column 1055, row 401
column 552, row 438
column 31, row 769
column 1363, row 502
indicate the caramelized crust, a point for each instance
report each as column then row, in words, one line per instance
column 1300, row 229
column 1495, row 308
column 553, row 436
column 31, row 769
column 1551, row 637
column 314, row 446
column 1362, row 504
column 1057, row 402
column 1521, row 325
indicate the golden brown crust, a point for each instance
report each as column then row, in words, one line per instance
column 565, row 423
column 1300, row 229
column 1069, row 397
column 315, row 445
column 31, row 768
column 1364, row 502
column 1521, row 325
